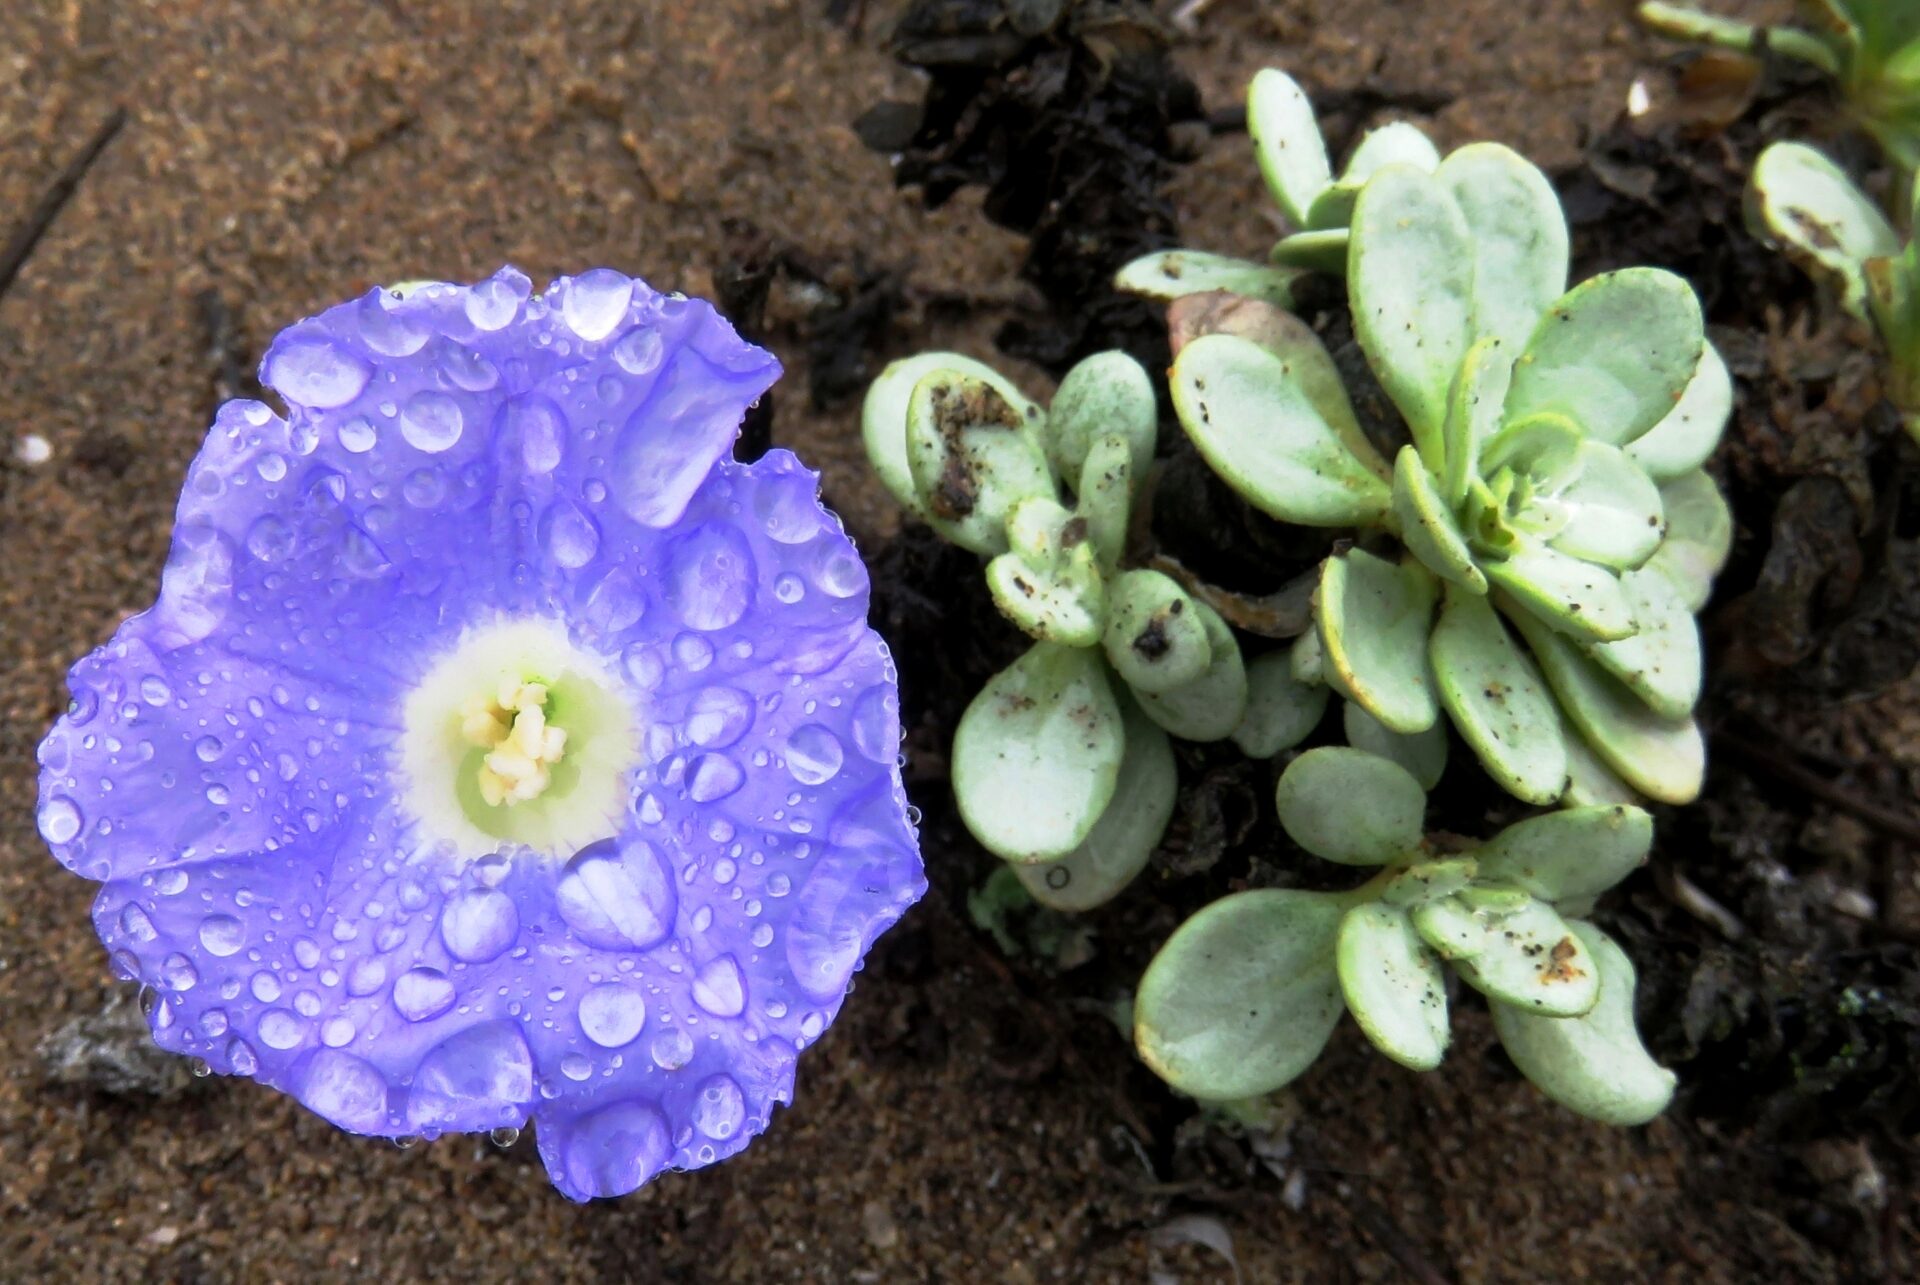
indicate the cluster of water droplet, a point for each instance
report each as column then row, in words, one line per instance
column 227, row 766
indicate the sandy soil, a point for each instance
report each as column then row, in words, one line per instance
column 279, row 156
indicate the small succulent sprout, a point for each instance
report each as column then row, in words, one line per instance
column 1129, row 829
column 1872, row 47
column 883, row 415
column 1595, row 1063
column 1108, row 392
column 974, row 455
column 1211, row 706
column 1551, row 428
column 1048, row 582
column 1174, row 274
column 1282, row 710
column 1155, row 638
column 1244, row 995
column 1238, row 1002
column 1037, row 754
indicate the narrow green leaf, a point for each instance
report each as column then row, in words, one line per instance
column 1569, row 855
column 1105, row 498
column 1211, row 706
column 1393, row 986
column 1614, row 354
column 1683, row 440
column 1531, row 959
column 1373, row 618
column 1243, row 996
column 1663, row 758
column 1349, row 806
column 1287, row 142
column 1427, row 525
column 974, row 456
column 1474, row 407
column 1423, row 754
column 1129, row 829
column 1173, row 274
column 1519, row 238
column 1594, row 1064
column 1155, row 638
column 1498, row 699
column 1281, row 710
column 1410, row 281
column 883, row 416
column 1036, row 754
column 1257, row 426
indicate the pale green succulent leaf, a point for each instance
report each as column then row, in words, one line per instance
column 1307, row 658
column 1699, row 536
column 1802, row 201
column 1174, row 274
column 1410, row 281
column 1037, row 753
column 1286, row 143
column 1577, row 598
column 974, row 455
column 1423, row 754
column 1428, row 881
column 1449, row 926
column 1528, row 957
column 1610, row 511
column 1373, row 618
column 1155, row 637
column 1210, row 707
column 1590, row 782
column 1614, row 354
column 1428, row 527
column 1322, row 250
column 1350, row 806
column 1683, row 440
column 1108, row 392
column 1570, row 855
column 1129, row 828
column 1259, row 429
column 1660, row 663
column 1105, row 498
column 1243, row 996
column 1281, row 710
column 1474, row 407
column 1393, row 985
column 883, row 415
column 1064, row 603
column 1594, row 1064
column 1519, row 238
column 1397, row 143
column 1498, row 700
column 1662, row 758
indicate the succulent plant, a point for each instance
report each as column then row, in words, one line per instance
column 1245, row 994
column 1872, row 47
column 1061, row 764
column 1801, row 201
column 1551, row 484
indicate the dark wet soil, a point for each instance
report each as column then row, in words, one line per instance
column 972, row 1117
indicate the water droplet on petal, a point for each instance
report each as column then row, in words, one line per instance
column 241, row 1058
column 575, row 1067
column 672, row 1049
column 718, row 716
column 422, row 994
column 280, row 1029
column 876, row 724
column 814, row 754
column 720, row 989
column 270, row 538
column 358, row 435
column 479, row 1078
column 719, row 1108
column 366, row 977
column 478, row 925
column 388, row 332
column 595, row 303
column 570, row 536
column 710, row 577
column 177, row 973
column 135, row 923
column 493, row 304
column 346, row 1090
column 222, row 935
column 59, row 820
column 431, row 421
column 316, row 373
column 713, row 777
column 617, row 895
column 614, row 1150
column 639, row 351
column 612, row 1015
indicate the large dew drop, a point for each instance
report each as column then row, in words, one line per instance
column 612, row 1015
column 346, row 1090
column 595, row 303
column 477, row 1079
column 431, row 421
column 315, row 373
column 720, row 989
column 720, row 1107
column 710, row 577
column 617, row 1148
column 617, row 895
column 814, row 754
column 422, row 994
column 479, row 924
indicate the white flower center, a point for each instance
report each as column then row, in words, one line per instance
column 518, row 736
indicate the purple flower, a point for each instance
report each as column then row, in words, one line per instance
column 498, row 747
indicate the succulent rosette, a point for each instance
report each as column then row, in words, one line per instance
column 498, row 747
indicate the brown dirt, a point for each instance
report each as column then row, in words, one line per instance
column 963, row 1122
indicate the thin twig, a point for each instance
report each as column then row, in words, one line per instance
column 1889, row 821
column 47, row 208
